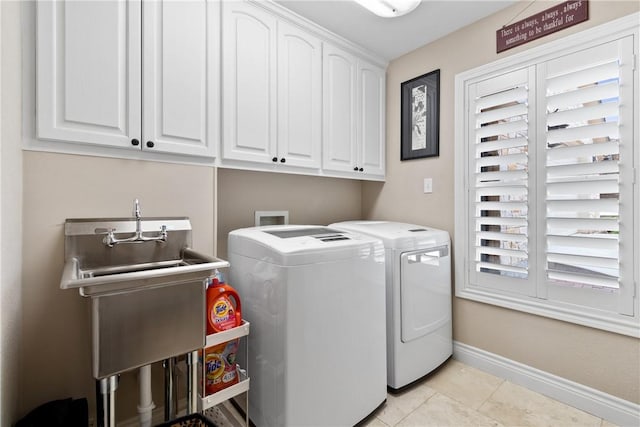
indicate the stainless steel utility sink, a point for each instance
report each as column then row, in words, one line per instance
column 146, row 287
column 104, row 279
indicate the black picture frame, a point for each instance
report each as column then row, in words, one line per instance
column 420, row 117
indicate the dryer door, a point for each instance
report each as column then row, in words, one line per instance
column 425, row 291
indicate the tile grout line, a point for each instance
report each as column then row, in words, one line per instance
column 417, row 407
column 488, row 398
column 493, row 392
column 383, row 423
column 502, row 381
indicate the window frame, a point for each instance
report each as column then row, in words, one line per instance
column 565, row 311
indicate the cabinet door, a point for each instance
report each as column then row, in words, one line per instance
column 181, row 81
column 299, row 97
column 371, row 119
column 339, row 110
column 89, row 71
column 249, row 75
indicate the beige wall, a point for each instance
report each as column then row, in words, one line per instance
column 55, row 350
column 309, row 200
column 605, row 361
column 10, row 212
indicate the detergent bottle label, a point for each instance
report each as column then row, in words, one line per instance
column 224, row 310
column 220, row 365
column 222, row 314
column 215, row 367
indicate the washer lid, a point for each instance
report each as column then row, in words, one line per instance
column 397, row 235
column 302, row 244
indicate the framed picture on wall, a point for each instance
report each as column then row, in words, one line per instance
column 420, row 117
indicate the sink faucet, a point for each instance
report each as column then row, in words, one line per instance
column 110, row 239
column 136, row 213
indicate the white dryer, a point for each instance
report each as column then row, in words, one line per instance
column 315, row 298
column 418, row 280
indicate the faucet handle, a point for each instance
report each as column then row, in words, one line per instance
column 136, row 209
column 163, row 233
column 109, row 236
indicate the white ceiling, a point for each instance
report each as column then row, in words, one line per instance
column 393, row 37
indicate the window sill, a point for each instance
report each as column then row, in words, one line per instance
column 619, row 324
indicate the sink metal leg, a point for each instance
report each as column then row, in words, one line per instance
column 170, row 389
column 106, row 396
column 192, row 382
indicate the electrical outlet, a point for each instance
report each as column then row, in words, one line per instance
column 428, row 185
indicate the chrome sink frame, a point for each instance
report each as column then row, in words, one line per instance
column 93, row 260
column 109, row 279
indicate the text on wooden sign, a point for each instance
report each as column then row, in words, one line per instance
column 548, row 21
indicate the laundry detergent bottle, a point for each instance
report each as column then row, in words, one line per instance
column 221, row 368
column 224, row 310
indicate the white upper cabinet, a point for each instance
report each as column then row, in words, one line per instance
column 371, row 119
column 339, row 111
column 272, row 90
column 89, row 71
column 249, row 90
column 353, row 121
column 181, row 79
column 299, row 97
column 101, row 74
column 246, row 82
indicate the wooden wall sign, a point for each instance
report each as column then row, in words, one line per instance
column 556, row 18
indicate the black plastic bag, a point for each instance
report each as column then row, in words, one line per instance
column 58, row 413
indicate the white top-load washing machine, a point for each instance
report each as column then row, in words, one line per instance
column 315, row 298
column 418, row 277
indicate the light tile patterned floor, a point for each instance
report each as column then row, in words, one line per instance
column 459, row 395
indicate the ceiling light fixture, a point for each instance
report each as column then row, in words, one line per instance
column 389, row 8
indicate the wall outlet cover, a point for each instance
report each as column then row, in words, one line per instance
column 428, row 185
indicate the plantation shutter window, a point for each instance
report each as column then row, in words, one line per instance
column 547, row 192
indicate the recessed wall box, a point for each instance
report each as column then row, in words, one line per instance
column 272, row 218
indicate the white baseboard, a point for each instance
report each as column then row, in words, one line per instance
column 613, row 409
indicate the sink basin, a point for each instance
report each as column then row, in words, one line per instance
column 104, row 279
column 96, row 268
column 147, row 295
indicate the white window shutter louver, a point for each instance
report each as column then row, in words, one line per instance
column 499, row 112
column 588, row 175
column 582, row 176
